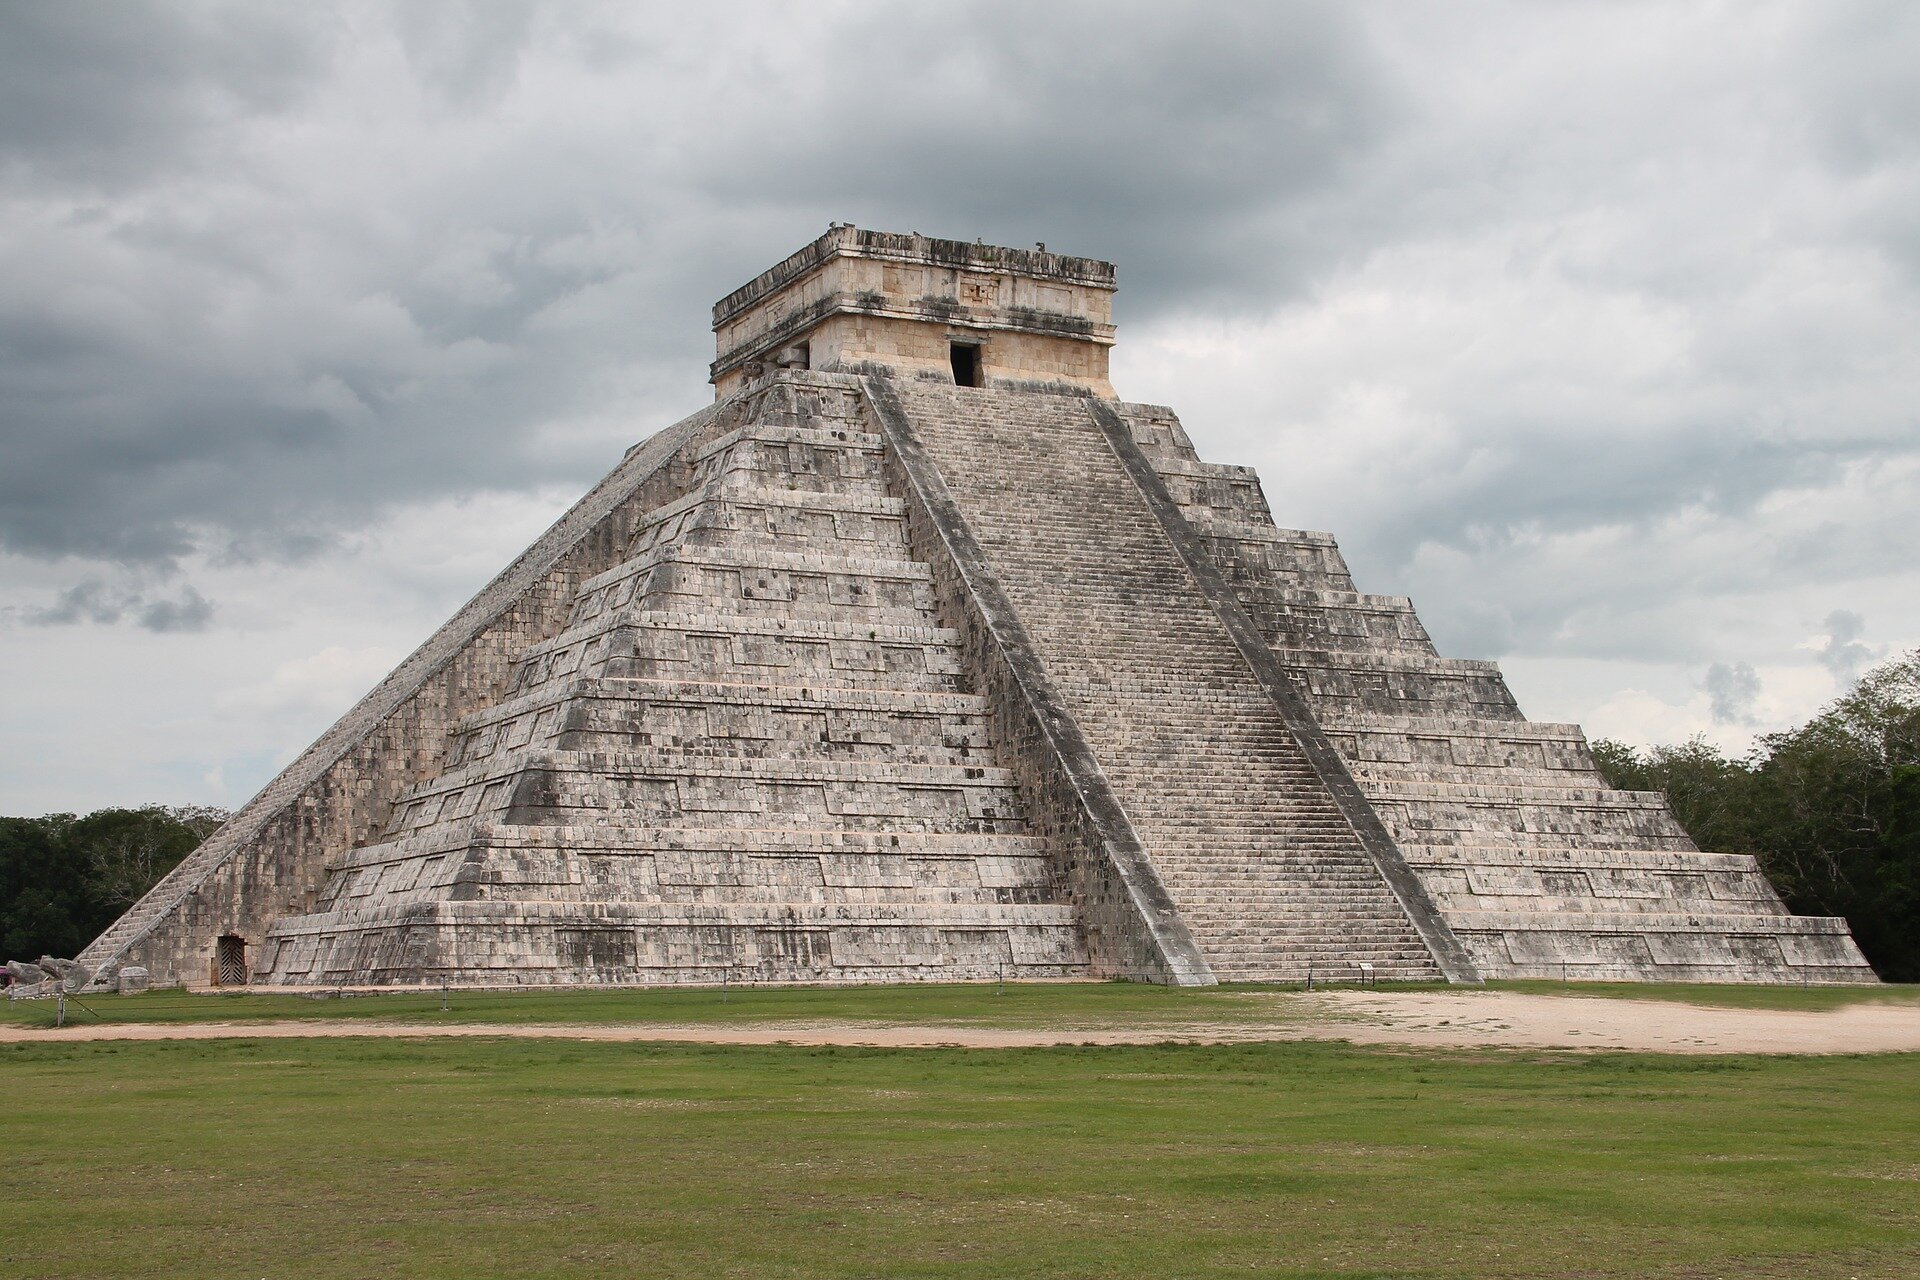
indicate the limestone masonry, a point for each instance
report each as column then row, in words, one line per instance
column 918, row 655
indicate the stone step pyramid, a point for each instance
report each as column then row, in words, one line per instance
column 920, row 656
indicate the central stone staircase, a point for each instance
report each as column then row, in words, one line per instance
column 1265, row 869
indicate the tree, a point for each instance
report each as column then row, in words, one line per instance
column 1710, row 793
column 64, row 879
column 1839, row 797
column 44, row 906
column 1831, row 809
column 123, row 852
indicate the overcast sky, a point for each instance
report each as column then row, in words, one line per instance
column 1591, row 327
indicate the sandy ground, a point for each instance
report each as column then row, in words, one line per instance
column 1472, row 1019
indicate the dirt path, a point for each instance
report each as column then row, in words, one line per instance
column 1469, row 1019
column 1516, row 1020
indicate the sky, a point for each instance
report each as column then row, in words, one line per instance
column 1590, row 327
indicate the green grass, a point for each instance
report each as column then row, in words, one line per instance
column 1077, row 1005
column 1082, row 1004
column 430, row 1158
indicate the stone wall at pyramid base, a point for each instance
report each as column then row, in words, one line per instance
column 508, row 905
column 646, row 944
column 1650, row 946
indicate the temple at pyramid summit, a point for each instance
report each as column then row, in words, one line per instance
column 918, row 655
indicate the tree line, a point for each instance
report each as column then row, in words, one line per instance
column 65, row 878
column 1831, row 809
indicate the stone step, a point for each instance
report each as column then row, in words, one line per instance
column 771, row 433
column 745, row 915
column 605, row 715
column 696, row 842
column 1552, row 854
column 1483, row 793
column 653, row 763
column 750, row 648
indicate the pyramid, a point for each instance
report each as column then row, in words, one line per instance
column 920, row 656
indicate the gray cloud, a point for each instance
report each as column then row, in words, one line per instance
column 108, row 96
column 270, row 338
column 1844, row 654
column 468, row 52
column 94, row 601
column 1193, row 146
column 191, row 612
column 1732, row 692
column 266, row 341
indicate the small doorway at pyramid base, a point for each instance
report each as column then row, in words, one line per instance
column 230, row 961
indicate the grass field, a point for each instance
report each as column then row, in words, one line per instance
column 540, row 1158
column 1079, row 1005
column 976, row 1004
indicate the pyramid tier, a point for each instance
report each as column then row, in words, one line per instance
column 1304, row 559
column 1673, row 947
column 795, row 585
column 696, row 865
column 1387, row 682
column 671, row 788
column 811, row 455
column 743, row 649
column 528, row 942
column 1461, row 747
column 499, row 904
column 820, row 722
column 776, row 518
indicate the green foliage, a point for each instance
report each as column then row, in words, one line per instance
column 64, row 879
column 41, row 902
column 1831, row 809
